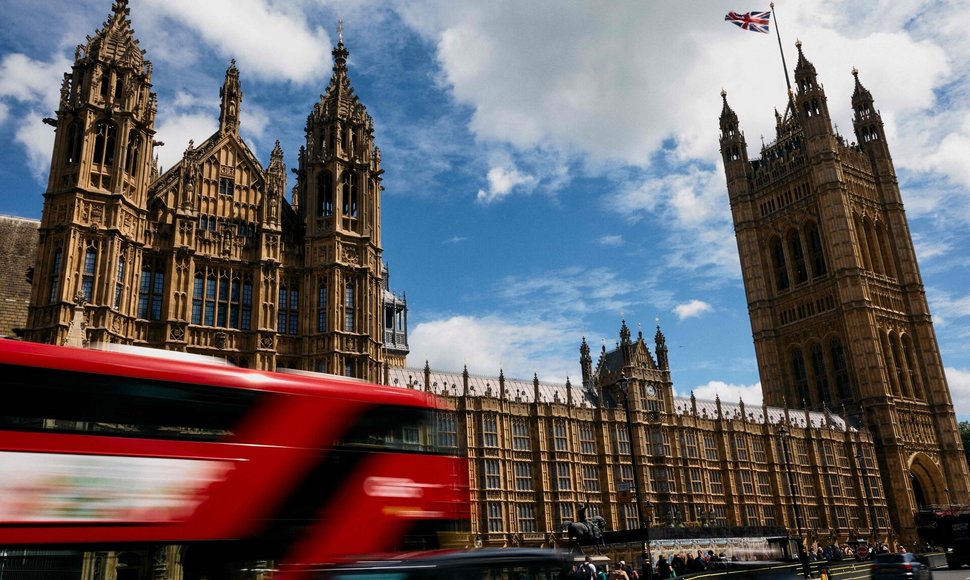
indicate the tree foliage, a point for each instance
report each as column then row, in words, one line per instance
column 964, row 427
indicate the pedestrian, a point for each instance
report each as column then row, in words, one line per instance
column 601, row 573
column 663, row 568
column 588, row 570
column 619, row 573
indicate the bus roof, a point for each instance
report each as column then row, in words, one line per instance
column 158, row 364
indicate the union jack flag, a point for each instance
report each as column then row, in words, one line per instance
column 753, row 21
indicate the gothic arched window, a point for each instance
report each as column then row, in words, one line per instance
column 287, row 309
column 840, row 368
column 778, row 263
column 349, row 307
column 349, row 199
column 322, row 308
column 55, row 285
column 104, row 143
column 119, row 282
column 87, row 276
column 821, row 378
column 815, row 254
column 325, row 194
column 73, row 145
column 151, row 291
column 132, row 153
column 198, row 293
column 797, row 257
column 800, row 376
column 247, row 305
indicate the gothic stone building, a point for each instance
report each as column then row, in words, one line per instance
column 210, row 256
column 538, row 450
column 838, row 311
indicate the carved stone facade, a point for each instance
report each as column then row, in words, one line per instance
column 838, row 311
column 538, row 450
column 210, row 256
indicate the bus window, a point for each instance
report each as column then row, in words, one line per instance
column 67, row 401
column 392, row 428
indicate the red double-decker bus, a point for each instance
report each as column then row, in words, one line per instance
column 105, row 448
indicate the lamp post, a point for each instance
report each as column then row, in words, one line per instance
column 802, row 556
column 946, row 490
column 865, row 490
column 624, row 385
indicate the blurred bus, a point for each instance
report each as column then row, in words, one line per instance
column 102, row 449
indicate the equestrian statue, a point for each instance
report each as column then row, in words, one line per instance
column 586, row 531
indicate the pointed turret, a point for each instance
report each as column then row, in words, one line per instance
column 231, row 94
column 339, row 173
column 624, row 333
column 867, row 121
column 810, row 101
column 586, row 364
column 660, row 345
column 734, row 150
column 275, row 185
column 103, row 159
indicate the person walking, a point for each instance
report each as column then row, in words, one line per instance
column 619, row 573
column 588, row 570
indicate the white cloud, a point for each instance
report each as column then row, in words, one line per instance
column 489, row 344
column 268, row 39
column 504, row 181
column 32, row 81
column 692, row 309
column 37, row 140
column 750, row 394
column 33, row 88
column 610, row 240
column 959, row 382
column 693, row 197
column 176, row 131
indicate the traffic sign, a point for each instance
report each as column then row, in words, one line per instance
column 862, row 551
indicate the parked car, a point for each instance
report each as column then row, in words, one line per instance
column 904, row 566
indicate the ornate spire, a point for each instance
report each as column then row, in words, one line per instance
column 862, row 101
column 340, row 52
column 805, row 75
column 624, row 333
column 727, row 113
column 660, row 345
column 114, row 41
column 586, row 364
column 120, row 8
column 231, row 94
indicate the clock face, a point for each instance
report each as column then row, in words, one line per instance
column 651, row 391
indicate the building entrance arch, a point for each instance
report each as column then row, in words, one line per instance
column 927, row 481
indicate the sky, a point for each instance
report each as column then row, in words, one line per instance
column 551, row 167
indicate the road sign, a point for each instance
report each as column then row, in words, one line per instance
column 862, row 551
column 624, row 491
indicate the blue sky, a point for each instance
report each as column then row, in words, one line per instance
column 551, row 167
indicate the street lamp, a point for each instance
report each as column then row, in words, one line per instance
column 802, row 556
column 624, row 385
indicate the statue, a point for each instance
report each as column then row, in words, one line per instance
column 586, row 531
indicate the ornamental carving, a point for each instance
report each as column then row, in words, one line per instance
column 350, row 255
column 177, row 332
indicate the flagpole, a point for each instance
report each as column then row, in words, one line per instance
column 783, row 65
